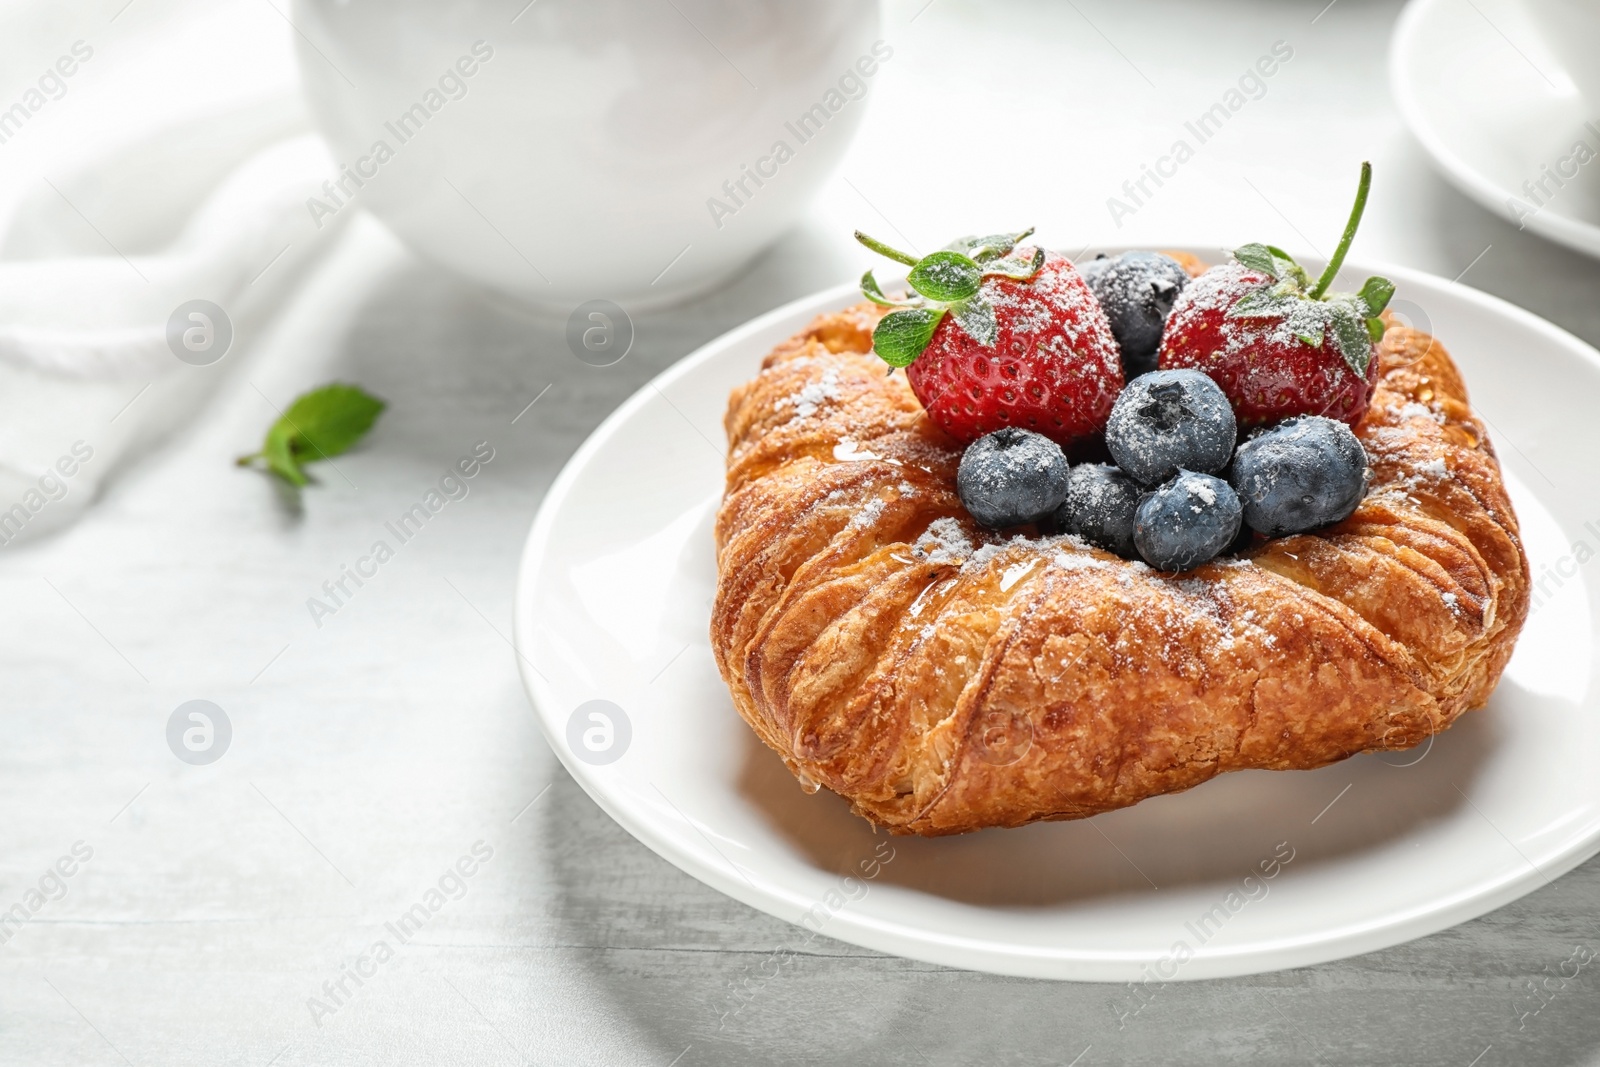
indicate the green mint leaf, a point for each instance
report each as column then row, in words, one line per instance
column 945, row 276
column 975, row 316
column 279, row 456
column 901, row 335
column 873, row 292
column 1351, row 332
column 1012, row 267
column 1376, row 294
column 330, row 420
column 1259, row 258
column 319, row 424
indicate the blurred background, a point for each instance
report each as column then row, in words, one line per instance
column 194, row 155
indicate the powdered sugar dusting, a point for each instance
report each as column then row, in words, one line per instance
column 1012, row 463
column 944, row 541
column 1082, row 561
column 1414, row 410
column 1218, row 289
column 1025, row 309
column 813, row 395
column 870, row 513
column 983, row 555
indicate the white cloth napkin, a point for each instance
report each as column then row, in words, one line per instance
column 211, row 209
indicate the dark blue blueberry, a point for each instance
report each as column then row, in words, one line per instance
column 1303, row 474
column 1169, row 419
column 1100, row 503
column 1186, row 522
column 1012, row 476
column 1136, row 289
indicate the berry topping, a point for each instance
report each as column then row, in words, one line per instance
column 1169, row 419
column 1137, row 290
column 1012, row 476
column 1278, row 344
column 997, row 334
column 1099, row 508
column 1303, row 474
column 1186, row 522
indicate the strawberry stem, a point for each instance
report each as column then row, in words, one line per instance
column 1349, row 234
column 884, row 250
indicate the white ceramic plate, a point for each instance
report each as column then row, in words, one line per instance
column 613, row 604
column 1493, row 108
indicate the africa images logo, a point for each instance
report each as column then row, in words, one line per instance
column 199, row 732
column 851, row 85
column 598, row 732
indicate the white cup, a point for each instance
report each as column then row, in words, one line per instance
column 1571, row 30
column 587, row 149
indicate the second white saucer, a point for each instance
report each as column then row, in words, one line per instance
column 1498, row 115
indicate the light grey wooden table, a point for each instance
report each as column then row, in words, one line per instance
column 371, row 754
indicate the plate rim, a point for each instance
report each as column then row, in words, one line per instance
column 1566, row 230
column 970, row 952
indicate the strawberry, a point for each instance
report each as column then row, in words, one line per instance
column 1278, row 345
column 999, row 335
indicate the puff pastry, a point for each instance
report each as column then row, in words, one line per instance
column 944, row 679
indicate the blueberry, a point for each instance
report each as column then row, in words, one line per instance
column 1305, row 473
column 1099, row 507
column 1186, row 522
column 1137, row 290
column 1169, row 419
column 1011, row 477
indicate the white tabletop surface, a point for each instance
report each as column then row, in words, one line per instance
column 371, row 753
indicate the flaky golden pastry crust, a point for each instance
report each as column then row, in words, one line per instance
column 943, row 679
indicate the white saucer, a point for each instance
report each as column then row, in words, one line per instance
column 1493, row 108
column 613, row 604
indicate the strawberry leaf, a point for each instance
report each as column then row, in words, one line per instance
column 1376, row 294
column 945, row 276
column 983, row 249
column 1376, row 329
column 874, row 292
column 995, row 244
column 1259, row 258
column 1274, row 262
column 1346, row 313
column 976, row 316
column 901, row 335
column 1263, row 303
column 1016, row 268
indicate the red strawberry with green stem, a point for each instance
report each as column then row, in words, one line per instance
column 1277, row 344
column 999, row 335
